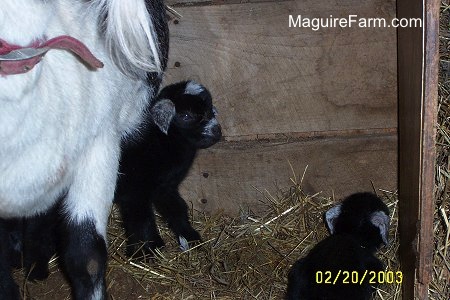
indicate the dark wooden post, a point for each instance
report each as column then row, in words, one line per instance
column 418, row 57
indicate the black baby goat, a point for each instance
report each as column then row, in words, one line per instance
column 151, row 169
column 358, row 226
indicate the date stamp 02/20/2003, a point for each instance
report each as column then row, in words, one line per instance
column 355, row 277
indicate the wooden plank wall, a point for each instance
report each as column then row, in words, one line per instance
column 326, row 99
column 418, row 81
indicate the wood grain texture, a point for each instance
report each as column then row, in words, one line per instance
column 268, row 78
column 428, row 134
column 410, row 93
column 229, row 175
column 418, row 69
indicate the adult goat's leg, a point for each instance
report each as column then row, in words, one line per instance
column 8, row 288
column 86, row 210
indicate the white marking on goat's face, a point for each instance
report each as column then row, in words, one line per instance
column 209, row 126
column 193, row 88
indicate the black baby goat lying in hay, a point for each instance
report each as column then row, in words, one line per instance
column 358, row 226
column 62, row 118
column 152, row 168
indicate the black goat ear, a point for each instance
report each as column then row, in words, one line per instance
column 331, row 215
column 380, row 220
column 162, row 113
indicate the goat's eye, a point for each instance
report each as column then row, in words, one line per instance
column 187, row 117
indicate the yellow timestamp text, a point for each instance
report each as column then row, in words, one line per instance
column 355, row 277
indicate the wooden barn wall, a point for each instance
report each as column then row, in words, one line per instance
column 326, row 98
column 418, row 50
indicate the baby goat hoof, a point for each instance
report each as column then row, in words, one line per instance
column 146, row 250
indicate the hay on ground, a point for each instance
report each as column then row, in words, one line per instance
column 246, row 256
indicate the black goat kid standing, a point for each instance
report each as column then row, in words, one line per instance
column 358, row 226
column 152, row 168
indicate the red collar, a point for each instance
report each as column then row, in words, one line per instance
column 15, row 59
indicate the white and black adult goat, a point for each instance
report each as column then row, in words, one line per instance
column 75, row 78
